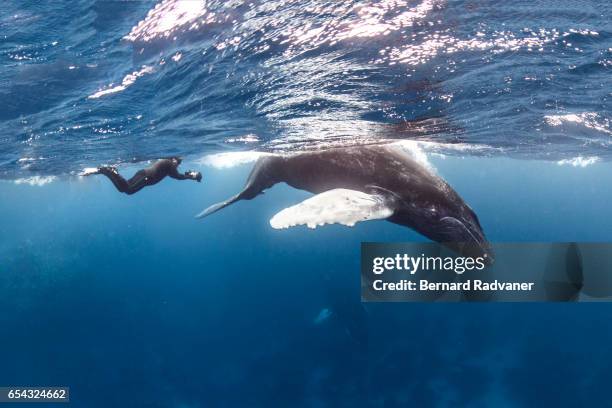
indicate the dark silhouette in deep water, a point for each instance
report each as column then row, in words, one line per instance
column 565, row 283
column 148, row 176
column 360, row 183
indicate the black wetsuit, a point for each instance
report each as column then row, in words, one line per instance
column 148, row 176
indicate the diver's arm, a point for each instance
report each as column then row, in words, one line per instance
column 176, row 175
column 188, row 175
column 173, row 172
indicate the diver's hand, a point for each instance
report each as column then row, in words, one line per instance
column 194, row 175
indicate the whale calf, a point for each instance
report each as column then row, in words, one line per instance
column 359, row 183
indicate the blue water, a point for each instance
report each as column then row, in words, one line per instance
column 133, row 303
column 84, row 82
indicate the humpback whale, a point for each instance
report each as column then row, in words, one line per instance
column 370, row 182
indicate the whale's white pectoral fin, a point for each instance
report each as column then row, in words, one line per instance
column 339, row 206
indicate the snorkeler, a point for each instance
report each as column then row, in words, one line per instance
column 148, row 176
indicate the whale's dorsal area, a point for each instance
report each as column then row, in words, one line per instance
column 338, row 206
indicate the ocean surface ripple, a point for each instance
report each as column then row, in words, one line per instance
column 88, row 82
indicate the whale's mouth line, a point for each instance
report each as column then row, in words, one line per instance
column 480, row 242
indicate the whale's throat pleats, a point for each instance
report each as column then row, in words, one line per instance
column 338, row 206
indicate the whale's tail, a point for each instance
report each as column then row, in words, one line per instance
column 216, row 207
column 262, row 177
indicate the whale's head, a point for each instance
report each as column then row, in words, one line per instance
column 464, row 235
column 450, row 222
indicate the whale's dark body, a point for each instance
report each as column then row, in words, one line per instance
column 418, row 198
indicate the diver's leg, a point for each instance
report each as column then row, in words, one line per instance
column 137, row 182
column 118, row 181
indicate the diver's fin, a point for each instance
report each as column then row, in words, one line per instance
column 339, row 206
column 216, row 207
column 89, row 171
